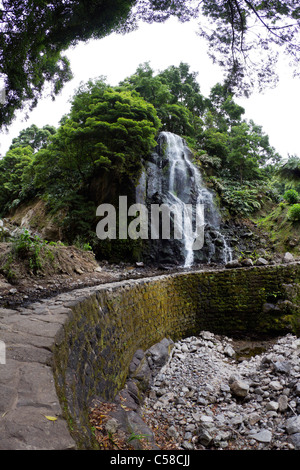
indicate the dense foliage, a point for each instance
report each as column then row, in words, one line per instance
column 106, row 130
column 235, row 153
column 109, row 130
column 291, row 196
column 36, row 33
column 12, row 168
column 290, row 170
column 294, row 213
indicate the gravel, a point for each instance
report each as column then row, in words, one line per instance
column 208, row 397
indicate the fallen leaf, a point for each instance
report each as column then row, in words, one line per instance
column 125, row 408
column 51, row 418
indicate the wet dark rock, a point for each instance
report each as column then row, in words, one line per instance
column 233, row 264
column 247, row 262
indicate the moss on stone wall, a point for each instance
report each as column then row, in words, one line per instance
column 108, row 326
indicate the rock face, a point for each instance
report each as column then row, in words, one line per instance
column 35, row 217
column 214, row 401
column 142, row 370
column 170, row 179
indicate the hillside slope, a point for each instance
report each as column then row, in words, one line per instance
column 283, row 233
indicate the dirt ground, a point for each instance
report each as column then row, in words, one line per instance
column 64, row 268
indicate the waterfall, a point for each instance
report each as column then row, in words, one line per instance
column 173, row 180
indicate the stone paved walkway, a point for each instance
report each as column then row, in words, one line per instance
column 28, row 395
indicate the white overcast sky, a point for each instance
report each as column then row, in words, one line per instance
column 118, row 56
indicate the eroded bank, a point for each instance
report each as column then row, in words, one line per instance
column 109, row 323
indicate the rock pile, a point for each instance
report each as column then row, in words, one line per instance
column 248, row 262
column 213, row 400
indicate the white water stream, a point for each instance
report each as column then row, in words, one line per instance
column 184, row 180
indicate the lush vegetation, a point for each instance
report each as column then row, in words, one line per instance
column 111, row 130
column 235, row 154
column 294, row 213
column 35, row 34
column 105, row 135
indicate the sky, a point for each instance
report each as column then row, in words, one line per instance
column 118, row 56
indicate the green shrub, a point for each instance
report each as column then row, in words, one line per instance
column 291, row 196
column 27, row 246
column 294, row 213
column 82, row 245
column 241, row 201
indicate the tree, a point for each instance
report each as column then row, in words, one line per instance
column 106, row 130
column 183, row 87
column 249, row 151
column 35, row 33
column 175, row 94
column 150, row 86
column 34, row 137
column 215, row 143
column 12, row 169
column 225, row 111
column 160, row 10
column 242, row 146
column 245, row 37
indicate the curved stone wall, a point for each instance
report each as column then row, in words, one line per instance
column 110, row 322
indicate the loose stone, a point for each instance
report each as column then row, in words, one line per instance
column 293, row 425
column 213, row 400
column 238, row 387
column 263, row 436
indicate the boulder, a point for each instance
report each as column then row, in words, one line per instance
column 233, row 264
column 247, row 262
column 229, row 351
column 261, row 262
column 264, row 436
column 238, row 387
column 159, row 352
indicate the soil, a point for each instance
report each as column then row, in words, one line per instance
column 63, row 269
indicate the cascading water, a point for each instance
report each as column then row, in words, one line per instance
column 173, row 180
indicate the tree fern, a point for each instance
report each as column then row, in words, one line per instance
column 290, row 171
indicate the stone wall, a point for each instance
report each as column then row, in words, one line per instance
column 108, row 325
